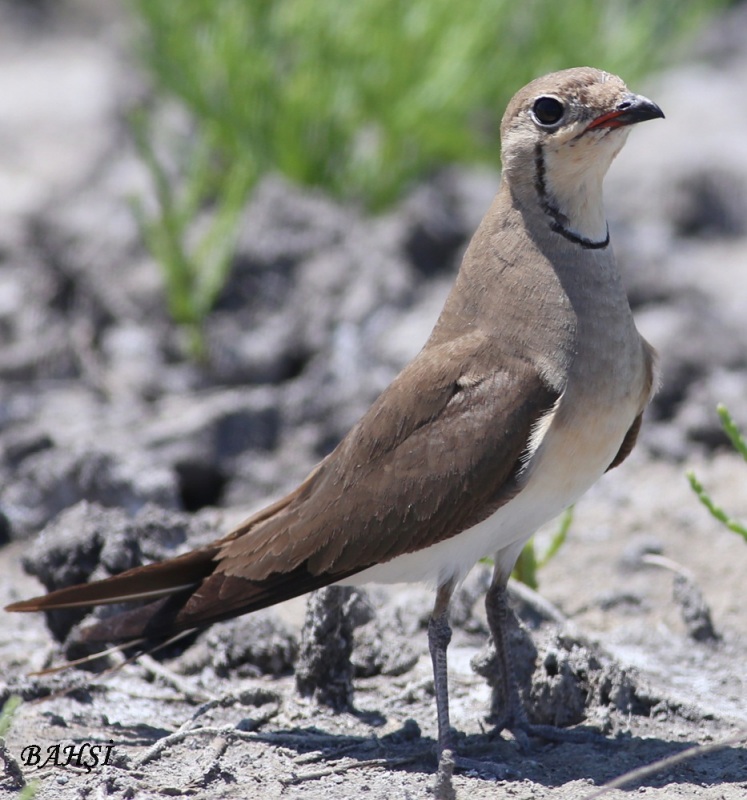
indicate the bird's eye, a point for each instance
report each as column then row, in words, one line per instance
column 548, row 110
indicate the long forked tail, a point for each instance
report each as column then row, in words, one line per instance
column 168, row 585
column 189, row 592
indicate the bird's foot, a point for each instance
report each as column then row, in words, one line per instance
column 525, row 731
column 450, row 762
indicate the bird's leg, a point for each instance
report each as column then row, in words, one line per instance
column 514, row 717
column 499, row 618
column 439, row 636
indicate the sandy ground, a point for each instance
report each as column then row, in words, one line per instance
column 257, row 738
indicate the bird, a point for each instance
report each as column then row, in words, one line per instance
column 531, row 386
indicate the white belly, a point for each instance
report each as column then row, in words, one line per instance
column 566, row 464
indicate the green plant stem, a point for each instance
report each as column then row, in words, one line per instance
column 7, row 713
column 732, row 431
column 716, row 511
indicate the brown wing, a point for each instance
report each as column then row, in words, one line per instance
column 628, row 443
column 438, row 452
column 649, row 388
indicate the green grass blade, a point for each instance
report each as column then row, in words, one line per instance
column 732, row 431
column 559, row 536
column 525, row 569
column 717, row 512
column 6, row 715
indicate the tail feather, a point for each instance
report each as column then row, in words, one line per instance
column 153, row 581
column 218, row 597
column 182, row 595
column 186, row 593
column 152, row 622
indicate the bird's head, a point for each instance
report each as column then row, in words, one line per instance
column 560, row 134
column 583, row 114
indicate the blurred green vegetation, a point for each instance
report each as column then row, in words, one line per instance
column 740, row 445
column 530, row 561
column 361, row 98
column 7, row 712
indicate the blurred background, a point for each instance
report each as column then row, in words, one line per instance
column 224, row 227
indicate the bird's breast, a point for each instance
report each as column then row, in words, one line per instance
column 573, row 446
